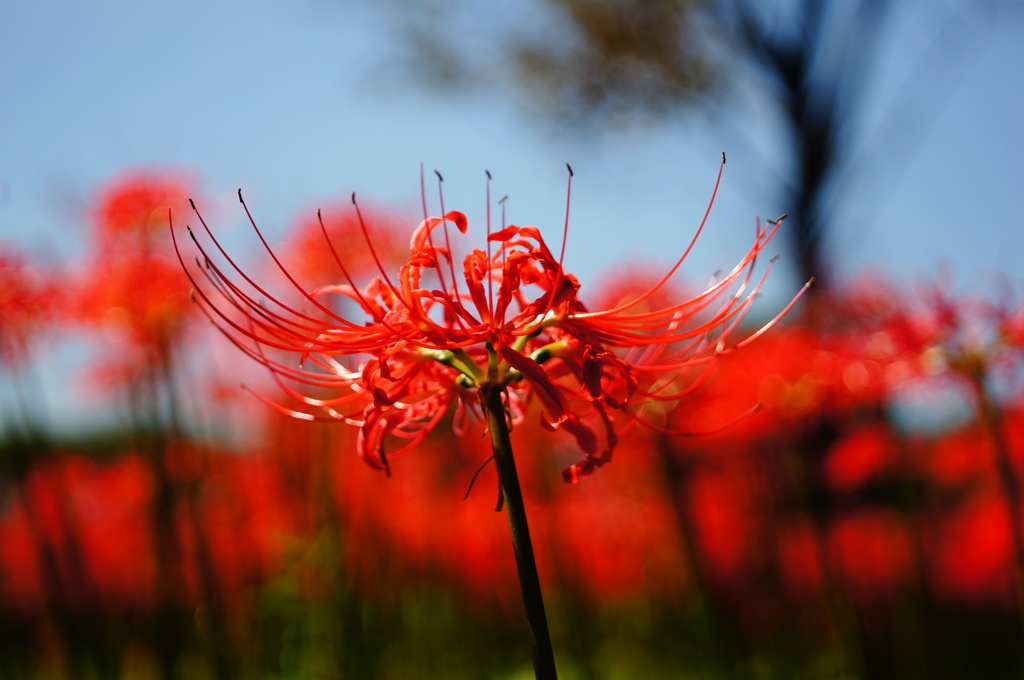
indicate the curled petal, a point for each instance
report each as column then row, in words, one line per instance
column 421, row 242
column 573, row 473
column 549, row 393
column 584, row 468
column 475, row 269
column 370, row 443
column 459, row 219
column 592, row 369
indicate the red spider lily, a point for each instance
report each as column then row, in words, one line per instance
column 431, row 337
column 128, row 209
column 802, row 376
column 935, row 333
column 133, row 288
column 28, row 301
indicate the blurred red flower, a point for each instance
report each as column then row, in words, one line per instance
column 727, row 504
column 29, row 299
column 132, row 288
column 80, row 531
column 860, row 455
column 971, row 551
column 873, row 550
column 800, row 375
column 307, row 257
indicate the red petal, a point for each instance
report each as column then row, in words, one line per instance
column 549, row 394
column 459, row 219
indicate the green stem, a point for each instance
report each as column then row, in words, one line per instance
column 529, row 583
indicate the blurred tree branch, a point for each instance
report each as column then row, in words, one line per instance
column 604, row 64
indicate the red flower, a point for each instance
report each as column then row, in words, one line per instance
column 971, row 550
column 131, row 289
column 28, row 298
column 129, row 210
column 89, row 522
column 134, row 289
column 873, row 551
column 427, row 339
column 858, row 456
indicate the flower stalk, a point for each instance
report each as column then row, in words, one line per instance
column 522, row 546
column 507, row 338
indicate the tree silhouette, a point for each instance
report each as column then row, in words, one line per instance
column 604, row 64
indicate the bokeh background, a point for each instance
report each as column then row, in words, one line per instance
column 157, row 521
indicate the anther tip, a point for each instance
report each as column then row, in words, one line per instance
column 569, row 167
column 191, row 203
column 488, row 173
column 240, row 195
column 439, row 177
column 353, row 198
column 723, row 158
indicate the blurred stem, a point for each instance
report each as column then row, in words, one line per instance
column 29, row 424
column 167, row 549
column 992, row 421
column 526, row 565
column 218, row 646
column 676, row 471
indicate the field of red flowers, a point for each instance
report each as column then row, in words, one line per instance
column 863, row 521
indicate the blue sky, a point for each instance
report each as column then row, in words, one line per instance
column 285, row 100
